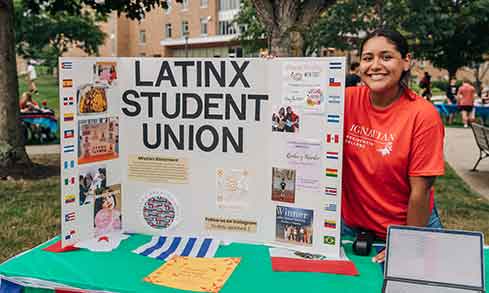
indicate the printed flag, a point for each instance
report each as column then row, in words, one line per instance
column 70, row 181
column 69, row 133
column 163, row 248
column 67, row 83
column 70, row 234
column 67, row 65
column 334, row 99
column 69, row 216
column 68, row 101
column 68, row 116
column 333, row 82
column 333, row 118
column 330, row 190
column 331, row 172
column 334, row 65
column 69, row 164
column 332, row 138
column 331, row 207
column 69, row 198
column 331, row 224
column 329, row 240
column 69, row 148
column 332, row 155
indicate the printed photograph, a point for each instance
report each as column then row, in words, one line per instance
column 92, row 99
column 92, row 182
column 283, row 185
column 107, row 210
column 98, row 140
column 294, row 225
column 285, row 119
column 105, row 72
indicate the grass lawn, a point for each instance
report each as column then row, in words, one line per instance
column 30, row 210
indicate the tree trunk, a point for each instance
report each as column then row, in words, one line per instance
column 287, row 20
column 12, row 150
column 452, row 73
column 287, row 44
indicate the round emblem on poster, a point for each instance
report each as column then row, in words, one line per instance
column 160, row 210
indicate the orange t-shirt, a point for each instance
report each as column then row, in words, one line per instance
column 382, row 149
column 467, row 92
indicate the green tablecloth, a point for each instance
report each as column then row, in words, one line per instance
column 123, row 271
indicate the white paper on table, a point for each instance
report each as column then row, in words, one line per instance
column 103, row 243
column 289, row 253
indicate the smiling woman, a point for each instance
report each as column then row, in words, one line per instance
column 393, row 147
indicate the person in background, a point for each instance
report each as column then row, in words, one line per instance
column 31, row 76
column 425, row 84
column 465, row 102
column 352, row 78
column 452, row 97
column 485, row 103
column 393, row 144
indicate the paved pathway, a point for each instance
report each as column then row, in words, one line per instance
column 461, row 152
column 42, row 149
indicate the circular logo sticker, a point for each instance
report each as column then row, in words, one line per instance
column 160, row 210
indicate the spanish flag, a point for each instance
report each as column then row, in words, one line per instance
column 67, row 82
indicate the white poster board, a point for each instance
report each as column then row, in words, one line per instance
column 238, row 149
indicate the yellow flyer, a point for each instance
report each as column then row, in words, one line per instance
column 194, row 273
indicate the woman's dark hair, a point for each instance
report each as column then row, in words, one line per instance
column 395, row 38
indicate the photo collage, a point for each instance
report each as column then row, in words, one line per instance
column 90, row 141
column 310, row 168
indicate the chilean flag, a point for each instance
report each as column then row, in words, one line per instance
column 333, row 82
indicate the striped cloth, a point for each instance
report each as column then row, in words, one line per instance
column 163, row 247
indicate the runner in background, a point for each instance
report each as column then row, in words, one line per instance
column 465, row 98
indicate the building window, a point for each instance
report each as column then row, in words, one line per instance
column 204, row 3
column 184, row 4
column 184, row 28
column 142, row 37
column 203, row 25
column 168, row 30
column 227, row 27
column 228, row 4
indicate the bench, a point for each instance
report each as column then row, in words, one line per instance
column 481, row 135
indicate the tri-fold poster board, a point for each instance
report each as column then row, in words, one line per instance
column 237, row 149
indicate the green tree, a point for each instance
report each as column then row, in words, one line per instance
column 450, row 33
column 47, row 36
column 12, row 150
column 254, row 37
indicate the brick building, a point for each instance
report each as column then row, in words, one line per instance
column 200, row 28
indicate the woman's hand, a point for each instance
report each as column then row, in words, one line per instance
column 380, row 257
